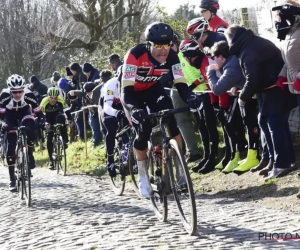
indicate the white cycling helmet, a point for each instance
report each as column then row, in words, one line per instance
column 15, row 82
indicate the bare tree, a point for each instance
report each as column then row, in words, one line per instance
column 97, row 19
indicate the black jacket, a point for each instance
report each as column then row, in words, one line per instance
column 40, row 88
column 78, row 78
column 212, row 38
column 261, row 62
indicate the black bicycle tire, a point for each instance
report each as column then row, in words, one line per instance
column 192, row 228
column 118, row 190
column 60, row 157
column 19, row 182
column 161, row 216
column 26, row 175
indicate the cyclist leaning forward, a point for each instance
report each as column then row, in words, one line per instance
column 55, row 108
column 143, row 66
column 15, row 102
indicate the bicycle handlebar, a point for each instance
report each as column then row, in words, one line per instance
column 167, row 112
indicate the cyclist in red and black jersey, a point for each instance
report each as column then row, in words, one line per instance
column 209, row 10
column 143, row 66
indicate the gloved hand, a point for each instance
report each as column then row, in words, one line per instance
column 120, row 115
column 288, row 10
column 297, row 84
column 194, row 101
column 138, row 116
column 280, row 82
column 41, row 123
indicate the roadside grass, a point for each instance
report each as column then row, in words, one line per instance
column 77, row 161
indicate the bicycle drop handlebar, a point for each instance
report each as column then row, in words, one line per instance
column 167, row 112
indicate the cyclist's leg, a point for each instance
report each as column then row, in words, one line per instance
column 50, row 148
column 211, row 125
column 232, row 117
column 28, row 121
column 60, row 119
column 11, row 155
column 160, row 101
column 111, row 126
column 141, row 148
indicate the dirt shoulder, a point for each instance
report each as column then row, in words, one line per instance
column 279, row 193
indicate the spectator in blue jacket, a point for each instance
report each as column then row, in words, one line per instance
column 91, row 73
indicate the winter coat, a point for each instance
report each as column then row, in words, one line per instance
column 290, row 51
column 232, row 76
column 261, row 62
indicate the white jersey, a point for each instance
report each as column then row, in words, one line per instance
column 110, row 95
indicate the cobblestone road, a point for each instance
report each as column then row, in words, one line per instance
column 80, row 212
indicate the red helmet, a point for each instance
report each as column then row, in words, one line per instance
column 188, row 47
column 197, row 25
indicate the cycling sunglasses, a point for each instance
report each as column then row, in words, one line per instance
column 203, row 11
column 17, row 92
column 53, row 97
column 159, row 46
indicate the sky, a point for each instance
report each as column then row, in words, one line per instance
column 172, row 5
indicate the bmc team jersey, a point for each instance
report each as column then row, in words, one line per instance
column 8, row 104
column 52, row 111
column 142, row 71
column 110, row 95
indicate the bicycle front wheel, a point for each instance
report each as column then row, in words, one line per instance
column 159, row 199
column 61, row 157
column 26, row 177
column 184, row 197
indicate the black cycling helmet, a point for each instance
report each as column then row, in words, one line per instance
column 176, row 39
column 211, row 5
column 159, row 33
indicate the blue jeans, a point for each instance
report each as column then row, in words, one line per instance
column 96, row 130
column 276, row 140
column 79, row 125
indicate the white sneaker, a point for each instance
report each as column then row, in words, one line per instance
column 274, row 173
column 145, row 187
column 180, row 177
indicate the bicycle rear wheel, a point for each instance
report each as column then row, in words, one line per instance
column 61, row 157
column 185, row 200
column 25, row 175
column 118, row 182
column 159, row 199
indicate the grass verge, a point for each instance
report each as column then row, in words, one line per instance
column 77, row 161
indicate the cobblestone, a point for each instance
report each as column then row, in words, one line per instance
column 81, row 212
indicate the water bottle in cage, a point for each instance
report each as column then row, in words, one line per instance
column 158, row 155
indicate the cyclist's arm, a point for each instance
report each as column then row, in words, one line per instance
column 65, row 107
column 178, row 77
column 30, row 99
column 129, row 71
column 110, row 93
column 4, row 99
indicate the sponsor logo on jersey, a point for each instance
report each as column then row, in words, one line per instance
column 160, row 98
column 177, row 70
column 109, row 92
column 148, row 78
column 129, row 71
